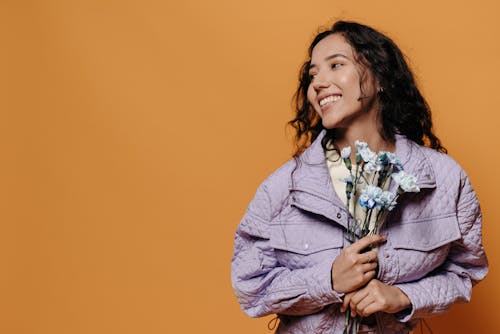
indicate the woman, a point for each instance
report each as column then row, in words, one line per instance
column 292, row 257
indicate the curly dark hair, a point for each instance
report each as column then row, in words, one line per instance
column 403, row 109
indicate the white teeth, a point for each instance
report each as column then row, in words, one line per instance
column 329, row 99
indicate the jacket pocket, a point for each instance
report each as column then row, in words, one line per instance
column 425, row 235
column 305, row 238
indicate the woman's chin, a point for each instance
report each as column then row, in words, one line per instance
column 330, row 124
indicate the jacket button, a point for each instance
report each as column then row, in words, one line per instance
column 306, row 246
column 339, row 215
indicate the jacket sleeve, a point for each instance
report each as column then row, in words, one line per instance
column 465, row 265
column 261, row 284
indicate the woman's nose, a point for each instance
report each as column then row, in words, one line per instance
column 320, row 82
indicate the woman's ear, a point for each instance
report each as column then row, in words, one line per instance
column 378, row 87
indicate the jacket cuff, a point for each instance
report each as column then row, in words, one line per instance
column 419, row 306
column 322, row 286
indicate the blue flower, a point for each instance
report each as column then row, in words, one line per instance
column 348, row 185
column 369, row 197
column 348, row 179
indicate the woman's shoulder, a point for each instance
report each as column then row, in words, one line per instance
column 278, row 182
column 440, row 160
column 273, row 191
column 447, row 170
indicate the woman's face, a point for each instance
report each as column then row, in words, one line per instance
column 342, row 91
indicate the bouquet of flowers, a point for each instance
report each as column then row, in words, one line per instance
column 367, row 184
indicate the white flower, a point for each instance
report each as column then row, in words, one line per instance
column 371, row 167
column 372, row 191
column 360, row 145
column 368, row 155
column 346, row 152
column 407, row 182
column 386, row 201
column 393, row 159
column 387, row 158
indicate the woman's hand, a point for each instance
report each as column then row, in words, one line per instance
column 353, row 269
column 375, row 297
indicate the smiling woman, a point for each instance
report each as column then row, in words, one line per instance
column 335, row 92
column 294, row 254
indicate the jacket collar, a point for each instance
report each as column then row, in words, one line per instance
column 411, row 155
column 415, row 161
column 313, row 190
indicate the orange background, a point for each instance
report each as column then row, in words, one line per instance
column 133, row 134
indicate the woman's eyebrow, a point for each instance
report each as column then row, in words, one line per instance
column 335, row 55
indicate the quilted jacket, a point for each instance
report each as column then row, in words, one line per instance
column 295, row 227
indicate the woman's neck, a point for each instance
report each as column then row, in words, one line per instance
column 370, row 135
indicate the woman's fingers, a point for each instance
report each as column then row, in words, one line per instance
column 356, row 298
column 370, row 256
column 366, row 307
column 370, row 309
column 347, row 300
column 367, row 267
column 363, row 243
column 353, row 269
column 376, row 296
column 369, row 275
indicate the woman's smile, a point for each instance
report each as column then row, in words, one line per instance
column 325, row 102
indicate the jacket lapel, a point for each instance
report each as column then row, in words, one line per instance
column 312, row 188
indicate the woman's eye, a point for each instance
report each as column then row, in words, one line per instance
column 335, row 65
column 312, row 76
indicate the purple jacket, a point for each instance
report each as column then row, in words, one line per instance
column 294, row 229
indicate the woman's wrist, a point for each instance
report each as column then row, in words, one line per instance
column 405, row 302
